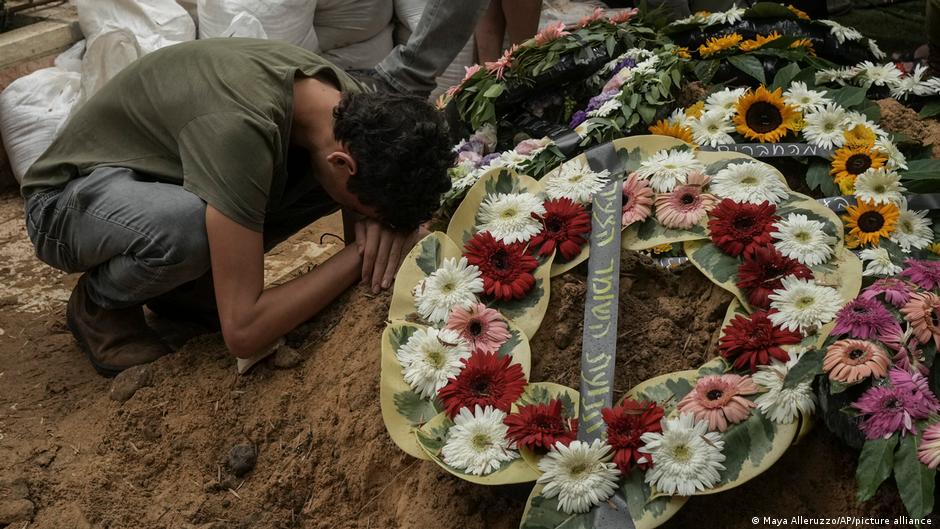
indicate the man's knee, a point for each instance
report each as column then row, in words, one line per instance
column 184, row 240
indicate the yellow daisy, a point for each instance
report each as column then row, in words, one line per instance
column 860, row 135
column 798, row 12
column 934, row 247
column 665, row 127
column 751, row 45
column 682, row 52
column 695, row 111
column 764, row 116
column 869, row 223
column 854, row 159
column 806, row 44
column 718, row 44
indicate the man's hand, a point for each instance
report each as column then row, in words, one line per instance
column 383, row 250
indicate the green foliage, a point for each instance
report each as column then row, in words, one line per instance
column 874, row 465
column 922, row 176
column 515, row 338
column 706, row 70
column 749, row 440
column 750, row 65
column 430, row 258
column 805, row 369
column 930, row 109
column 544, row 513
column 722, row 266
column 915, row 481
column 517, row 307
column 848, row 96
column 785, row 75
column 817, row 177
column 415, row 408
column 400, row 335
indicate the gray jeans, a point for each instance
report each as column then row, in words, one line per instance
column 443, row 30
column 135, row 238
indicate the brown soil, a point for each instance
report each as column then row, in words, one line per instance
column 898, row 118
column 70, row 456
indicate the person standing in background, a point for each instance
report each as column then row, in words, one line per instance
column 518, row 18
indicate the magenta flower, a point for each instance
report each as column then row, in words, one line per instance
column 921, row 401
column 925, row 274
column 883, row 413
column 866, row 318
column 910, row 358
column 896, row 291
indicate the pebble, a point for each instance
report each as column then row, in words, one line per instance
column 286, row 357
column 14, row 511
column 242, row 459
column 129, row 381
column 564, row 334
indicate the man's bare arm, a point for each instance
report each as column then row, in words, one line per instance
column 253, row 318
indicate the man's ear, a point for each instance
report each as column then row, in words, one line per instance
column 342, row 162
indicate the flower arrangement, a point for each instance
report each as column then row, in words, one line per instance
column 455, row 356
column 902, row 85
column 875, row 366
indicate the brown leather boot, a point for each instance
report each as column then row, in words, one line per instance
column 113, row 339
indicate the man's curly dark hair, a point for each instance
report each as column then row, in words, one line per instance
column 402, row 152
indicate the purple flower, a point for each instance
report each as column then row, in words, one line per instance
column 883, row 413
column 922, row 272
column 896, row 291
column 577, row 118
column 488, row 158
column 910, row 358
column 922, row 402
column 471, row 145
column 626, row 63
column 866, row 318
column 595, row 102
column 469, row 157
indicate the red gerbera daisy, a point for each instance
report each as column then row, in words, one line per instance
column 625, row 424
column 540, row 426
column 754, row 341
column 485, row 380
column 737, row 227
column 564, row 225
column 763, row 268
column 506, row 268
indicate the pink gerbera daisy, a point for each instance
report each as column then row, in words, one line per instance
column 896, row 291
column 624, row 16
column 483, row 328
column 597, row 14
column 910, row 358
column 923, row 273
column 686, row 205
column 719, row 400
column 637, row 199
column 866, row 318
column 916, row 389
column 499, row 66
column 883, row 413
column 551, row 32
column 928, row 450
column 923, row 313
column 853, row 360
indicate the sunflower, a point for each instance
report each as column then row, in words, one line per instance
column 798, row 12
column 869, row 222
column 682, row 52
column 806, row 44
column 666, row 127
column 860, row 135
column 717, row 44
column 753, row 44
column 852, row 160
column 764, row 116
column 695, row 110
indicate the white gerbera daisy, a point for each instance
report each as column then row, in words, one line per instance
column 880, row 75
column 801, row 97
column 508, row 216
column 753, row 182
column 725, row 100
column 454, row 284
column 476, row 443
column 730, row 16
column 580, row 475
column 668, row 168
column 803, row 239
column 575, row 180
column 510, row 159
column 855, row 119
column 679, row 117
column 879, row 185
column 910, row 83
column 840, row 32
column 802, row 304
column 835, row 75
column 896, row 159
column 430, row 357
column 606, row 108
column 646, row 66
column 712, row 128
column 912, row 230
column 780, row 404
column 826, row 126
column 875, row 50
column 687, row 457
column 878, row 262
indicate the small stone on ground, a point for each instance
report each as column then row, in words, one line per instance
column 129, row 381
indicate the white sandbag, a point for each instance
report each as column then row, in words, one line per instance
column 284, row 20
column 108, row 53
column 32, row 111
column 247, row 26
column 71, row 59
column 340, row 23
column 363, row 55
column 567, row 11
column 154, row 23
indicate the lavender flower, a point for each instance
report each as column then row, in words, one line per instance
column 896, row 291
column 923, row 273
column 866, row 318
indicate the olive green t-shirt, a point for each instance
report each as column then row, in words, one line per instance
column 212, row 115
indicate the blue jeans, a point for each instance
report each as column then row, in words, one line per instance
column 444, row 28
column 135, row 238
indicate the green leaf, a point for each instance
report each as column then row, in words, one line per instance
column 930, row 109
column 848, row 96
column 631, row 159
column 749, row 65
column 514, row 340
column 430, row 258
column 751, row 439
column 706, row 70
column 874, row 465
column 544, row 513
column 494, row 91
column 785, row 76
column 679, row 388
column 611, row 45
column 401, row 334
column 721, row 265
column 515, row 308
column 416, row 409
column 915, row 481
column 637, row 493
column 805, row 369
column 817, row 177
column 646, row 112
column 720, row 165
column 503, row 183
column 435, row 439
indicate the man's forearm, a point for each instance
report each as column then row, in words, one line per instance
column 280, row 309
